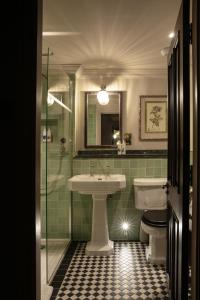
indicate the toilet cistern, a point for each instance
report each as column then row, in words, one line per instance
column 99, row 186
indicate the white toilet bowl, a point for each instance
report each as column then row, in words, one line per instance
column 156, row 249
column 151, row 198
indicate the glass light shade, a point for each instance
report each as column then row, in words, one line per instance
column 102, row 97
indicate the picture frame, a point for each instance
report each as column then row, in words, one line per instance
column 153, row 117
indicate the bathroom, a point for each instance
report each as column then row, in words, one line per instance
column 144, row 156
column 72, row 217
column 142, row 159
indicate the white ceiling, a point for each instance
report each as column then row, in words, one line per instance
column 109, row 34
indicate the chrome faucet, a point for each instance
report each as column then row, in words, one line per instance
column 107, row 172
column 91, row 168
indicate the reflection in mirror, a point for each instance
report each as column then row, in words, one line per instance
column 103, row 123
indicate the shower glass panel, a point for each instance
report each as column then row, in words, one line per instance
column 56, row 166
column 43, row 173
column 59, row 167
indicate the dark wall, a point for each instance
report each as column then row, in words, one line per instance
column 20, row 121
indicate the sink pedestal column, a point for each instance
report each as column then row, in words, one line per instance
column 100, row 243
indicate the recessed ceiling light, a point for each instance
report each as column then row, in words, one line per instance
column 171, row 35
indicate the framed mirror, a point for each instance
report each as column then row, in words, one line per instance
column 103, row 123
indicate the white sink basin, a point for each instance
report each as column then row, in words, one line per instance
column 97, row 184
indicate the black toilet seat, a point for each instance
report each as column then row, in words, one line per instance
column 155, row 218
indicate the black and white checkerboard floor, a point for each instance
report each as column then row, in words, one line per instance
column 123, row 275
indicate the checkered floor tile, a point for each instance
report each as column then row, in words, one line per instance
column 122, row 275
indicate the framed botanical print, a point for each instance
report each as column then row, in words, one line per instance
column 153, row 117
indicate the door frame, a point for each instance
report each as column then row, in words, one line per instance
column 196, row 151
column 178, row 156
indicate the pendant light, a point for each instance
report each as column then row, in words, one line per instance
column 102, row 96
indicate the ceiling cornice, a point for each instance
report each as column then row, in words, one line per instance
column 86, row 73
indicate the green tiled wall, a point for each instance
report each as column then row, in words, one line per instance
column 55, row 209
column 121, row 204
column 91, row 125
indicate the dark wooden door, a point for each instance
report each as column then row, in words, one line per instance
column 196, row 151
column 178, row 156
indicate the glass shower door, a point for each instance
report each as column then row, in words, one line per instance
column 59, row 168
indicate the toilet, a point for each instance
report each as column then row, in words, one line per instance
column 151, row 198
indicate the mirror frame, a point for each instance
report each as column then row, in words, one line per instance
column 120, row 119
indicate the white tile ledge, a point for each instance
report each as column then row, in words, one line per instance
column 46, row 292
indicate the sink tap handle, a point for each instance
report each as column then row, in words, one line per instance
column 91, row 168
column 107, row 170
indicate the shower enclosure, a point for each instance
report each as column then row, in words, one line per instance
column 56, row 166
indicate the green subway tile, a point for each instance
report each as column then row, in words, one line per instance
column 117, row 163
column 76, row 172
column 142, row 172
column 158, row 163
column 150, row 172
column 164, row 172
column 116, row 171
column 132, row 172
column 76, row 233
column 111, row 162
column 85, row 171
column 84, row 164
column 126, row 172
column 164, row 163
column 150, row 163
column 158, row 172
column 142, row 163
column 134, row 163
column 125, row 163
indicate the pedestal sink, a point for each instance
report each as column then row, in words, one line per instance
column 99, row 186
